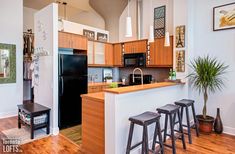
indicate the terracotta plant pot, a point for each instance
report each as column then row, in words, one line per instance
column 205, row 125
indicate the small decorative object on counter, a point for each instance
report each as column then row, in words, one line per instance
column 170, row 74
column 109, row 79
column 173, row 77
column 218, row 126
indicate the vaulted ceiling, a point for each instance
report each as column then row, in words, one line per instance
column 108, row 8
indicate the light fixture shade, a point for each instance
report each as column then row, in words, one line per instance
column 128, row 27
column 167, row 39
column 151, row 37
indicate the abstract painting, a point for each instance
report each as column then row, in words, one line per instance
column 224, row 17
column 159, row 21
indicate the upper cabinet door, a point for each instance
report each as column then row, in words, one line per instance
column 90, row 52
column 128, row 47
column 108, row 54
column 73, row 41
column 64, row 40
column 159, row 55
column 140, row 46
column 79, row 42
column 117, row 55
column 99, row 49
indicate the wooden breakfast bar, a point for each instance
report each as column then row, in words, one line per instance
column 105, row 115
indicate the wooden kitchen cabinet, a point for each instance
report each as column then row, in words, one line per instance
column 159, row 55
column 79, row 42
column 99, row 53
column 108, row 54
column 73, row 41
column 139, row 46
column 117, row 55
column 97, row 88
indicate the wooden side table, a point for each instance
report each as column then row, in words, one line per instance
column 34, row 110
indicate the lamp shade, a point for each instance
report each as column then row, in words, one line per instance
column 151, row 37
column 128, row 27
column 167, row 39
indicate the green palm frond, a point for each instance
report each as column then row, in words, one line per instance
column 207, row 73
column 207, row 76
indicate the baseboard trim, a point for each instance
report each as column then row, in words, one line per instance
column 55, row 130
column 229, row 130
column 8, row 114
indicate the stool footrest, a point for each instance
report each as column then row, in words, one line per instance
column 136, row 145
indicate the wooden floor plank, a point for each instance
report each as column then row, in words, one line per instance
column 205, row 144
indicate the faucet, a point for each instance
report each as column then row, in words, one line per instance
column 141, row 72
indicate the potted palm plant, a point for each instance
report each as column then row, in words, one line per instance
column 206, row 77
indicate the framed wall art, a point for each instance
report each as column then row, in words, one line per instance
column 159, row 21
column 180, row 61
column 224, row 17
column 89, row 34
column 180, row 37
column 102, row 37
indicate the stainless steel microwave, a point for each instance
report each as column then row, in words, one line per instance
column 134, row 60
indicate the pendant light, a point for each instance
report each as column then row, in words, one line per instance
column 151, row 31
column 128, row 23
column 167, row 39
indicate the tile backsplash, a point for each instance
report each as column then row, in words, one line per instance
column 97, row 73
column 159, row 74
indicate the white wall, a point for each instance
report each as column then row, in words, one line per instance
column 11, row 15
column 28, row 16
column 76, row 28
column 46, row 92
column 122, row 22
column 148, row 15
column 221, row 45
column 90, row 18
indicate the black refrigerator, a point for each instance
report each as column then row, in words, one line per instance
column 72, row 83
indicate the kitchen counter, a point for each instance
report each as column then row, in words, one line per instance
column 100, row 83
column 105, row 114
column 128, row 89
column 94, row 96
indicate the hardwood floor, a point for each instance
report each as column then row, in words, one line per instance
column 205, row 144
column 73, row 133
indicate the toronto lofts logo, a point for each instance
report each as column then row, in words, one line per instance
column 11, row 145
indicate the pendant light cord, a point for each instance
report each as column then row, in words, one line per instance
column 128, row 9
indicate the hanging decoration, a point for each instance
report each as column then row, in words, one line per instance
column 128, row 22
column 180, row 61
column 159, row 21
column 180, row 37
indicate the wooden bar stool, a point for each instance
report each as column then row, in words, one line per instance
column 145, row 119
column 186, row 103
column 170, row 111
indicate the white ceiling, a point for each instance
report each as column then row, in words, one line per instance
column 73, row 6
column 39, row 4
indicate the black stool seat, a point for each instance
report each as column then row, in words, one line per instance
column 184, row 102
column 171, row 111
column 168, row 109
column 145, row 118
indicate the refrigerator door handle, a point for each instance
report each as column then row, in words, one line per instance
column 62, row 64
column 62, row 86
